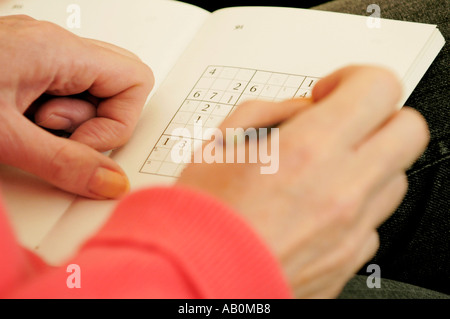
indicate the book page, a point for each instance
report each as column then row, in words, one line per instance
column 238, row 54
column 158, row 31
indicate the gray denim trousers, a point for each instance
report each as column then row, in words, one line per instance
column 414, row 254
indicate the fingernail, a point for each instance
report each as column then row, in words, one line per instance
column 108, row 184
column 56, row 122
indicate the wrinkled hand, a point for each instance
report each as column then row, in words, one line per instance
column 53, row 80
column 342, row 162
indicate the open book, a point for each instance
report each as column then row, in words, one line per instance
column 205, row 64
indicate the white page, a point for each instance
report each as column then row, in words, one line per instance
column 157, row 31
column 289, row 41
column 307, row 41
column 33, row 206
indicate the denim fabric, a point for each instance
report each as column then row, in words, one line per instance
column 357, row 288
column 415, row 241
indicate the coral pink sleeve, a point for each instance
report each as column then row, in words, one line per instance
column 164, row 242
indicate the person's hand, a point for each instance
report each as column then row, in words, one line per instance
column 342, row 162
column 52, row 80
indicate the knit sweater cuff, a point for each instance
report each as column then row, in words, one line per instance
column 217, row 252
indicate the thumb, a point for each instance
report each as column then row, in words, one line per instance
column 67, row 164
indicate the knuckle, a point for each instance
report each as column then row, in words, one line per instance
column 104, row 135
column 300, row 154
column 64, row 167
column 38, row 32
column 383, row 79
column 44, row 29
column 383, row 76
column 389, row 84
column 386, row 77
column 58, row 165
column 313, row 152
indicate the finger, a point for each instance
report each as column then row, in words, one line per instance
column 393, row 148
column 372, row 167
column 67, row 164
column 337, row 265
column 263, row 113
column 121, row 82
column 352, row 102
column 115, row 121
column 114, row 48
column 64, row 113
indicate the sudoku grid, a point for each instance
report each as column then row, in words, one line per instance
column 215, row 95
